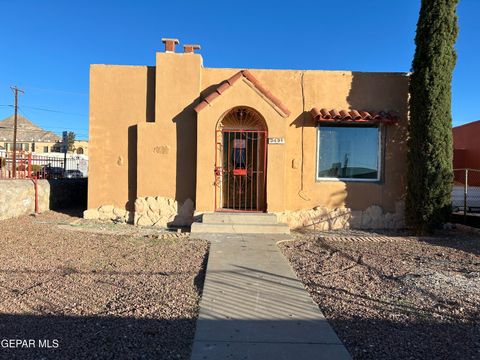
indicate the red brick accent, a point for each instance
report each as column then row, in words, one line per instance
column 345, row 115
column 211, row 97
column 365, row 115
column 170, row 44
column 224, row 86
column 353, row 116
column 335, row 114
column 190, row 48
column 234, row 78
column 201, row 106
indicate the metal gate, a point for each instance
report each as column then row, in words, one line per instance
column 240, row 170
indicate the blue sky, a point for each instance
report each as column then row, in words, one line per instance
column 47, row 45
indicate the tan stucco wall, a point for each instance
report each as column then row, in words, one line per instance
column 346, row 90
column 118, row 102
column 329, row 89
column 240, row 94
column 167, row 147
column 176, row 150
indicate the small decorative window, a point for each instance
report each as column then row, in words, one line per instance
column 349, row 152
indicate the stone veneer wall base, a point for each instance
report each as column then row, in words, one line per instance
column 149, row 211
column 323, row 219
column 163, row 212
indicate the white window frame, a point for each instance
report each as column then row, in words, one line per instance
column 379, row 161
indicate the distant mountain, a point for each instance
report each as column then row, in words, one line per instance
column 26, row 131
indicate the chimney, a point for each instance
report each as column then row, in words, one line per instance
column 170, row 44
column 190, row 48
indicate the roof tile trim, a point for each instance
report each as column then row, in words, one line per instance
column 353, row 116
column 225, row 85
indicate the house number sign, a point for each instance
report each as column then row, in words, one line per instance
column 276, row 140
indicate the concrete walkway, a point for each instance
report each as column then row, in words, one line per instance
column 254, row 307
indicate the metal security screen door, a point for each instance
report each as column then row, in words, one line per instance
column 242, row 172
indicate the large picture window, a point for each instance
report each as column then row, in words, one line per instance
column 348, row 152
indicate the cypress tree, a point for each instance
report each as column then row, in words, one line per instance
column 430, row 150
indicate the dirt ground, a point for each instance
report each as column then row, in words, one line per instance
column 393, row 296
column 90, row 291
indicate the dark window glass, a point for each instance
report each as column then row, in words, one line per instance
column 348, row 152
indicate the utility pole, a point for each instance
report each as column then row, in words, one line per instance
column 15, row 90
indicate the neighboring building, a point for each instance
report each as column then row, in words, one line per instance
column 30, row 137
column 307, row 145
column 80, row 147
column 466, row 152
column 466, row 146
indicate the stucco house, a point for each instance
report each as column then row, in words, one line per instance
column 317, row 148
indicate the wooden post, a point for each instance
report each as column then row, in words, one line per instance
column 15, row 116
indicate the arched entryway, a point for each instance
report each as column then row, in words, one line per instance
column 241, row 159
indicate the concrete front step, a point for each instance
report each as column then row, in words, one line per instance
column 229, row 228
column 239, row 218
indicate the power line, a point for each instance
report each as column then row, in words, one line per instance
column 56, row 90
column 53, row 110
column 46, row 109
column 78, row 131
column 83, row 132
column 34, row 88
column 51, row 127
column 22, row 111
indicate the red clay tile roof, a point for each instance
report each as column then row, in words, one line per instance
column 353, row 116
column 224, row 86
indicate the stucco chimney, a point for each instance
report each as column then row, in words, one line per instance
column 170, row 44
column 190, row 48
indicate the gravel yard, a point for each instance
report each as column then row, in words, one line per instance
column 97, row 291
column 393, row 296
